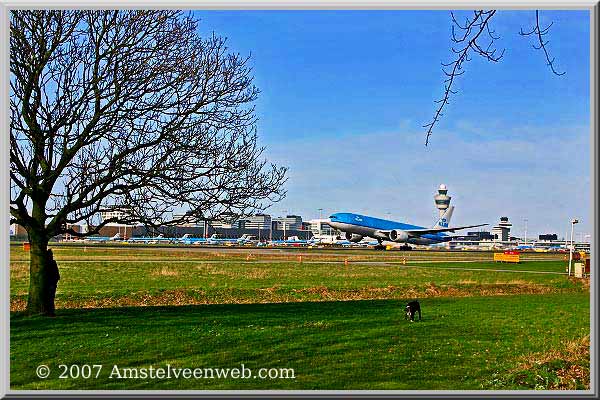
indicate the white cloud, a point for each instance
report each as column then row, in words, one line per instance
column 525, row 172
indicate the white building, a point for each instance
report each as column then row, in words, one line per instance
column 258, row 221
column 224, row 224
column 323, row 232
column 502, row 230
column 117, row 212
column 289, row 222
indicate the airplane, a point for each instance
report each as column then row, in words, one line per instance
column 189, row 239
column 349, row 243
column 357, row 226
column 524, row 247
column 216, row 239
column 558, row 248
column 247, row 239
column 153, row 240
column 103, row 238
column 293, row 241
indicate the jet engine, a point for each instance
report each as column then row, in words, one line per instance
column 353, row 237
column 398, row 236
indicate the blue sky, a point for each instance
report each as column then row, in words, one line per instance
column 345, row 95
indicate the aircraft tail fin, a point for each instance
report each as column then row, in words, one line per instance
column 444, row 220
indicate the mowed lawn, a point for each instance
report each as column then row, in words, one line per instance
column 338, row 325
column 101, row 277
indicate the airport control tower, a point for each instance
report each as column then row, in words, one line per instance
column 442, row 200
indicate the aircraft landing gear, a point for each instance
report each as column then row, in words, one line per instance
column 380, row 246
column 405, row 248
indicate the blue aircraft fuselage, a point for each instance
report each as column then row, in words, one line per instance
column 363, row 225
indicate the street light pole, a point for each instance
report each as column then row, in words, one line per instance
column 284, row 223
column 573, row 222
column 525, row 231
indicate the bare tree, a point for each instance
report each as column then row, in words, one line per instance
column 131, row 109
column 477, row 37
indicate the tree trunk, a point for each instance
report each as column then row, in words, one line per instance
column 43, row 276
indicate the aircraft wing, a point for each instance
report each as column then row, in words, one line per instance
column 419, row 232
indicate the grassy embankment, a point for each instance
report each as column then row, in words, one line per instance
column 481, row 329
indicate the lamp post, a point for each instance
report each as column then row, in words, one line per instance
column 573, row 222
column 320, row 210
column 284, row 223
column 525, row 231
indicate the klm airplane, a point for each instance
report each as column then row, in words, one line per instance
column 357, row 226
column 103, row 238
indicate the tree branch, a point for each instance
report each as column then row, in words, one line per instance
column 539, row 34
column 472, row 31
column 132, row 109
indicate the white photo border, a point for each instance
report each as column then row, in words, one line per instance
column 7, row 5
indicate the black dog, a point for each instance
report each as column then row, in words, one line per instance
column 411, row 309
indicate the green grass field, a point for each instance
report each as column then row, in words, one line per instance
column 338, row 325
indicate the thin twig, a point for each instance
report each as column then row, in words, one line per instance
column 472, row 30
column 539, row 33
